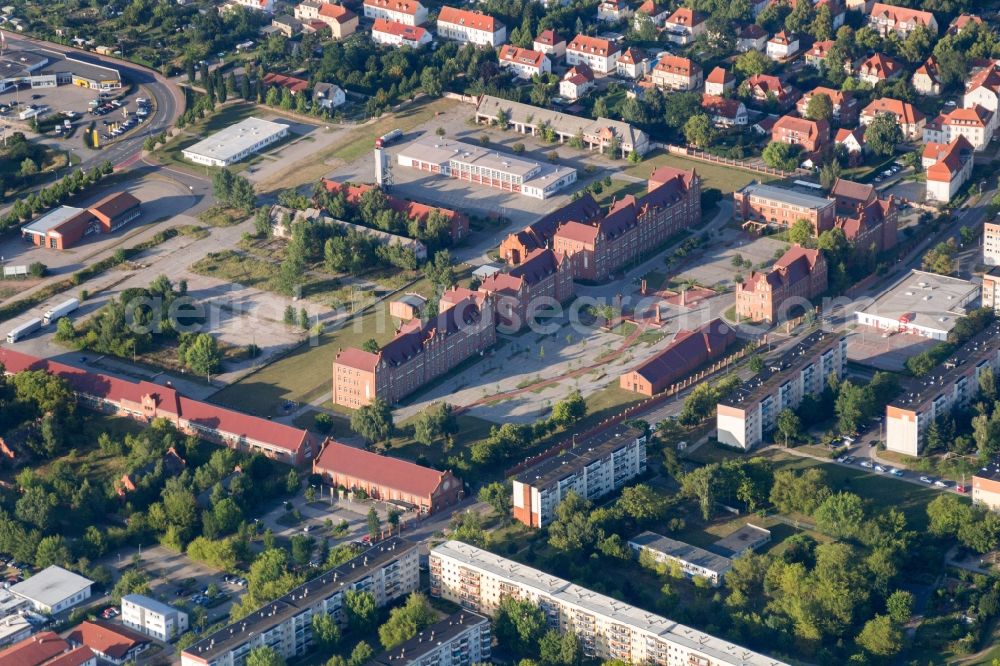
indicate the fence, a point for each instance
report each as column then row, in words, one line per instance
column 695, row 154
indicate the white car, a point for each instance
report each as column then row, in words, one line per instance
column 926, row 479
column 879, row 469
column 866, row 463
column 940, row 484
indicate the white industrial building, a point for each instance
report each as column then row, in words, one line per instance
column 236, row 142
column 924, row 304
column 152, row 617
column 607, row 628
column 54, row 589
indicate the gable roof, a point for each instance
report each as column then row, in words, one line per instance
column 631, row 56
column 905, row 113
column 538, row 234
column 401, row 6
column 579, row 232
column 338, row 13
column 108, row 639
column 821, row 49
column 548, row 38
column 721, row 106
column 811, row 128
column 794, row 266
column 848, row 194
column 950, row 158
column 474, row 20
column 719, row 75
column 902, row 14
column 293, row 83
column 688, row 350
column 753, row 31
column 113, row 205
column 34, row 650
column 987, row 77
column 837, row 97
column 783, row 38
column 880, row 66
column 394, row 473
column 686, row 17
column 514, row 54
column 672, row 64
column 595, row 45
column 410, row 341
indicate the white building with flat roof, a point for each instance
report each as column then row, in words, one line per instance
column 692, row 560
column 607, row 628
column 54, row 589
column 153, row 618
column 236, row 142
column 482, row 166
column 924, row 304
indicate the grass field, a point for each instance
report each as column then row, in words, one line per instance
column 618, row 189
column 720, row 177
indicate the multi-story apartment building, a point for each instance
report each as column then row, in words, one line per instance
column 952, row 386
column 391, row 33
column 976, row 124
column 746, row 418
column 389, row 571
column 407, row 12
column 607, row 628
column 601, row 55
column 341, row 20
column 541, row 280
column 991, row 289
column 900, row 20
column 419, row 353
column 461, row 639
column 911, row 121
column 677, row 73
column 591, row 468
column 796, row 278
column 686, row 352
column 809, row 135
column 845, row 106
column 986, row 487
column 692, row 560
column 991, row 243
column 632, row 63
column 765, row 205
column 145, row 401
column 525, row 63
column 462, row 25
column 152, row 617
column 632, row 227
column 948, row 166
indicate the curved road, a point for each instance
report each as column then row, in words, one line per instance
column 169, row 100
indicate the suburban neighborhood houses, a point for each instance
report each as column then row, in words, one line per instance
column 387, row 332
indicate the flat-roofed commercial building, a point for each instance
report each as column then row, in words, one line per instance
column 768, row 205
column 950, row 386
column 54, row 589
column 692, row 560
column 481, row 166
column 461, row 639
column 389, row 571
column 745, row 418
column 64, row 226
column 607, row 628
column 236, row 142
column 50, row 69
column 152, row 617
column 591, row 468
column 924, row 304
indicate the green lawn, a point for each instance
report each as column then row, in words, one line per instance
column 723, row 178
column 471, row 429
column 618, row 189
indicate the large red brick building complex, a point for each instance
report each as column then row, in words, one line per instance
column 688, row 351
column 766, row 205
column 517, row 246
column 868, row 222
column 63, row 227
column 800, row 273
column 419, row 353
column 145, row 401
column 542, row 278
column 387, row 479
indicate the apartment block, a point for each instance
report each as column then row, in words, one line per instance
column 601, row 55
column 758, row 204
column 900, row 20
column 991, row 289
column 953, row 385
column 909, row 118
column 693, row 561
column 677, row 73
column 389, row 571
column 153, row 617
column 407, row 12
column 607, row 628
column 461, row 639
column 991, row 243
column 462, row 25
column 986, row 487
column 976, row 124
column 591, row 468
column 746, row 418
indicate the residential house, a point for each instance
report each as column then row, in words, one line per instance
column 286, row 25
column 576, row 82
column 391, row 33
column 293, row 84
column 845, row 106
column 152, row 617
column 656, row 12
column 601, row 55
column 684, row 26
column 816, row 55
column 853, row 140
column 927, row 80
column 469, row 27
column 407, row 12
column 879, row 69
column 550, row 43
column 782, row 46
column 983, row 88
column 911, row 120
column 723, row 111
column 961, row 22
column 341, row 20
column 719, row 81
column 809, row 135
column 677, row 73
column 976, row 124
column 838, row 11
column 948, row 167
column 112, row 643
column 632, row 63
column 43, row 649
column 328, row 95
column 613, row 11
column 900, row 20
column 799, row 275
column 524, row 62
column 764, row 88
column 752, row 38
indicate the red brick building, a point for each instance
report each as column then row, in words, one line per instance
column 419, row 353
column 767, row 205
column 809, row 135
column 688, row 351
column 537, row 236
column 799, row 274
column 145, row 401
column 632, row 227
column 387, row 479
column 63, row 227
column 868, row 222
column 543, row 278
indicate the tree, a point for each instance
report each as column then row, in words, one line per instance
column 899, row 606
column 370, row 345
column 439, row 271
column 373, row 421
column 699, row 131
column 132, row 581
column 570, row 410
column 53, row 550
column 361, row 654
column 828, row 174
column 498, row 496
column 778, row 155
column 820, row 107
column 788, row 426
column 850, row 406
column 700, row 484
column 571, row 531
column 752, row 63
column 262, row 223
column 941, row 258
column 264, row 656
column 434, row 423
column 405, row 621
column 841, row 515
column 28, row 168
column 519, row 625
column 326, row 633
column 642, row 503
column 374, row 524
column 201, row 354
column 883, row 135
column 799, row 493
column 881, row 637
column 361, row 609
column 801, row 232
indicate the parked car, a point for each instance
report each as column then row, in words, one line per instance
column 110, row 612
column 940, row 484
column 879, row 469
column 896, row 472
column 926, row 479
column 849, row 459
column 866, row 464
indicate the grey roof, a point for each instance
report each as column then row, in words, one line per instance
column 551, row 470
column 52, row 219
column 787, row 196
column 925, row 299
column 430, row 639
column 746, row 538
column 233, row 140
column 51, row 585
column 150, row 604
column 685, row 552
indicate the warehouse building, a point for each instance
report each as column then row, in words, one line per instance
column 923, row 304
column 461, row 639
column 63, row 227
column 236, row 142
column 688, row 351
column 389, row 571
column 608, row 629
column 53, row 589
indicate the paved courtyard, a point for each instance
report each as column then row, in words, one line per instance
column 869, row 346
column 715, row 265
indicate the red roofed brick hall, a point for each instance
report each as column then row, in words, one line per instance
column 688, row 351
column 387, row 479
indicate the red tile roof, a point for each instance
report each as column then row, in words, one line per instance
column 959, row 22
column 549, row 38
column 719, row 75
column 821, row 49
column 976, row 116
column 880, row 66
column 905, row 113
column 950, row 159
column 686, row 17
column 412, row 33
column 411, row 209
column 687, row 351
column 902, row 14
column 473, row 20
column 339, row 13
column 794, row 266
column 720, row 106
column 632, row 56
column 293, row 83
column 35, row 650
column 385, row 471
column 837, row 97
column 105, row 638
column 75, row 657
column 987, row 77
column 812, row 129
column 400, row 6
column 676, row 65
column 113, row 205
column 576, row 231
column 357, row 359
column 593, row 45
column 752, row 31
column 511, row 53
column 784, row 38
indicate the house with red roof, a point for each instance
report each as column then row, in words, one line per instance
column 719, row 82
column 782, row 46
column 543, row 277
column 879, row 69
column 684, row 25
column 948, row 166
column 538, row 235
column 845, row 106
column 797, row 277
column 723, row 111
column 392, row 33
column 752, row 38
column 909, row 118
column 853, row 140
column 766, row 87
column 601, row 55
column 550, row 43
column 869, row 223
column 469, row 27
column 341, row 21
column 961, row 22
column 407, row 12
column 387, row 479
column 657, row 12
column 293, row 84
column 900, row 20
column 976, row 124
column 817, row 53
column 632, row 63
column 525, row 63
column 809, row 135
column 576, row 82
column 46, row 648
column 688, row 351
column 113, row 643
column 926, row 79
column 145, row 401
column 677, row 73
column 983, row 88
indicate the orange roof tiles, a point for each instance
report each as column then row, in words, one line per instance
column 686, row 17
column 510, row 53
column 902, row 14
column 401, row 6
column 338, row 13
column 413, row 33
column 676, row 65
column 464, row 17
column 595, row 45
column 950, row 159
column 905, row 113
column 719, row 75
column 385, row 471
column 105, row 638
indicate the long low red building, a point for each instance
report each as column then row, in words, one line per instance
column 686, row 352
column 63, row 227
column 387, row 479
column 145, row 401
